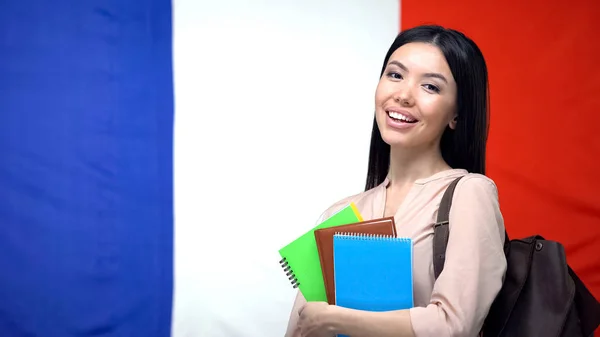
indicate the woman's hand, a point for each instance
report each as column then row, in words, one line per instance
column 313, row 320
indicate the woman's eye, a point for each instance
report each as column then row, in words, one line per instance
column 431, row 87
column 395, row 75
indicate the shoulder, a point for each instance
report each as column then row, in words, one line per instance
column 476, row 193
column 361, row 200
column 475, row 183
column 476, row 206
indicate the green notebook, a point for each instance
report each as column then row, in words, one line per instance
column 300, row 259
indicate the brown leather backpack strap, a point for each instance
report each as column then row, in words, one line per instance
column 441, row 230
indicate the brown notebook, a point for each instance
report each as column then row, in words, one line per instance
column 324, row 238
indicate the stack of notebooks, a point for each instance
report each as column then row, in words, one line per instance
column 352, row 263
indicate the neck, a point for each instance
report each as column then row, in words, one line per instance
column 406, row 166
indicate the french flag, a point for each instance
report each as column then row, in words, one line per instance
column 156, row 154
column 137, row 159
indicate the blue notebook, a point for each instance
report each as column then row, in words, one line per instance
column 373, row 272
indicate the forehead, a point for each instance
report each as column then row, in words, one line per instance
column 422, row 57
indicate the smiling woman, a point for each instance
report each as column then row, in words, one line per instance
column 436, row 78
column 430, row 128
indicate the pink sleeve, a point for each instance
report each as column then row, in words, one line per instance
column 474, row 268
column 292, row 328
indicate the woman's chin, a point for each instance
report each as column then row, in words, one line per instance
column 393, row 139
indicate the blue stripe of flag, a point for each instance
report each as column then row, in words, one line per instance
column 86, row 215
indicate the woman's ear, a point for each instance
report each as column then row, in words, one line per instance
column 452, row 123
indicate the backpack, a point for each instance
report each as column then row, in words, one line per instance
column 541, row 295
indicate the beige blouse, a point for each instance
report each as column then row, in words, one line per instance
column 458, row 302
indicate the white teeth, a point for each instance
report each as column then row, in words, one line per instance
column 401, row 117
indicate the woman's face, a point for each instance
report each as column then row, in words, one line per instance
column 415, row 99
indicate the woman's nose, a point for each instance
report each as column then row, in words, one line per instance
column 404, row 98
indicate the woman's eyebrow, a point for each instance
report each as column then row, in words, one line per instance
column 433, row 75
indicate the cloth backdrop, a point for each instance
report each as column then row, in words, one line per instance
column 151, row 152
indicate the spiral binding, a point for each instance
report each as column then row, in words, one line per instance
column 370, row 237
column 289, row 272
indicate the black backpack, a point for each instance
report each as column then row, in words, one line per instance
column 541, row 295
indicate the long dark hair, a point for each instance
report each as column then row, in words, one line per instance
column 465, row 146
